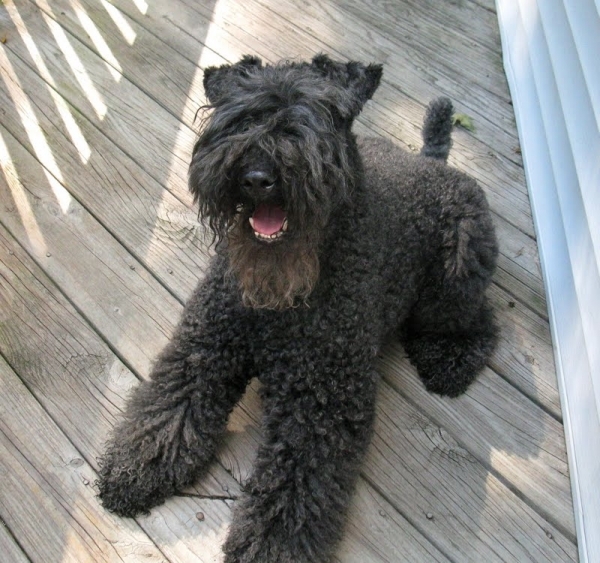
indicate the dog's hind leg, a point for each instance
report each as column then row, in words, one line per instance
column 448, row 361
column 451, row 332
column 173, row 421
column 319, row 407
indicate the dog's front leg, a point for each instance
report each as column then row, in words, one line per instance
column 172, row 422
column 319, row 408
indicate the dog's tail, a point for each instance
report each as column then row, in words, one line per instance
column 437, row 128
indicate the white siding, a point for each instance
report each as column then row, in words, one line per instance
column 552, row 61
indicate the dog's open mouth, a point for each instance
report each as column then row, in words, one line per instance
column 269, row 222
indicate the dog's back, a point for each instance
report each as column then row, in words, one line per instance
column 433, row 219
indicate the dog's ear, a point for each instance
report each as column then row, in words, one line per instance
column 217, row 79
column 359, row 80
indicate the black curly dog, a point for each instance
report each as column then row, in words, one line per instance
column 325, row 247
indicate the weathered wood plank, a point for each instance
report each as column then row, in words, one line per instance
column 77, row 378
column 150, row 63
column 120, row 298
column 135, row 313
column 376, row 531
column 462, row 39
column 473, row 516
column 9, row 548
column 524, row 354
column 51, row 502
column 503, row 430
column 152, row 137
column 46, row 494
column 489, row 5
column 81, row 384
column 518, row 269
column 436, row 49
column 159, row 231
column 462, row 17
column 421, row 469
column 189, row 529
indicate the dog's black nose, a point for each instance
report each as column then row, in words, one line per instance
column 257, row 182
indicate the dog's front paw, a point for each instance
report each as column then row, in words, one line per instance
column 267, row 547
column 266, row 529
column 128, row 486
column 258, row 550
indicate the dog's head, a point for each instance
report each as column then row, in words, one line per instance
column 273, row 161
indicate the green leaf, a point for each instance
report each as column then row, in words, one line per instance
column 463, row 120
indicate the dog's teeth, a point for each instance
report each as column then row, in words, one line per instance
column 284, row 227
column 269, row 238
column 251, row 219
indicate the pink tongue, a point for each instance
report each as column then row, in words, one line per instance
column 268, row 219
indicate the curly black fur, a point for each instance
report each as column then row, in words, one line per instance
column 374, row 242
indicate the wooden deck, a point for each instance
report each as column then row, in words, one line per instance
column 100, row 246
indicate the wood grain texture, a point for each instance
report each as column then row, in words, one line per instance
column 421, row 470
column 135, row 313
column 470, row 20
column 9, row 548
column 47, row 496
column 503, row 430
column 151, row 223
column 473, row 516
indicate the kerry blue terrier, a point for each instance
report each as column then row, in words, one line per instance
column 325, row 247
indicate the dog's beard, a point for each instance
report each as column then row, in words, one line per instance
column 273, row 276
